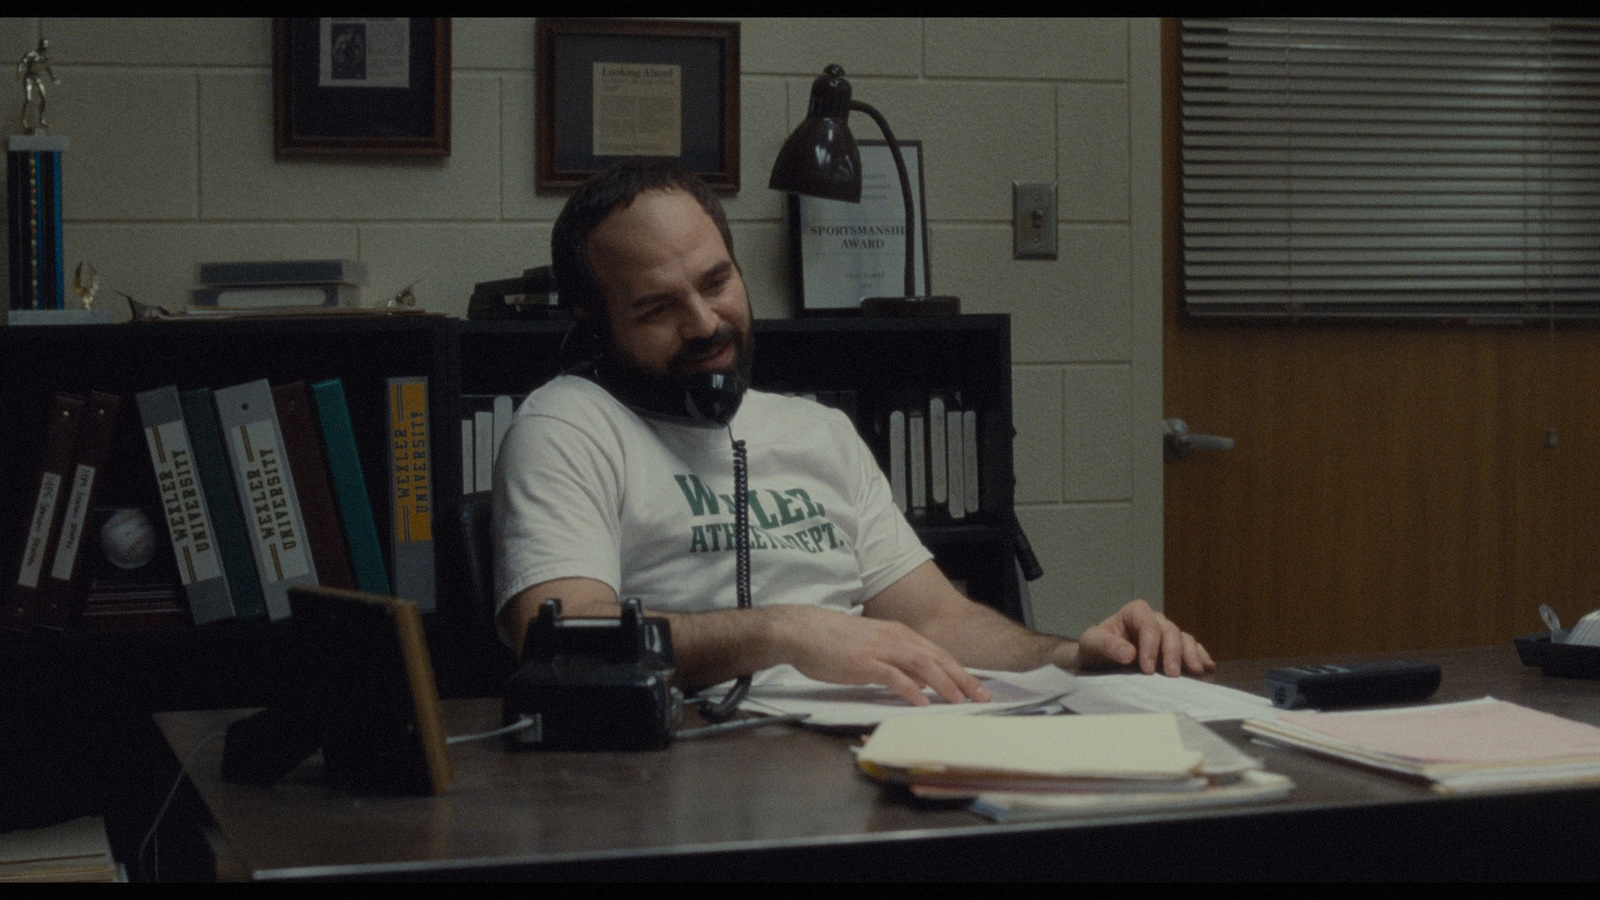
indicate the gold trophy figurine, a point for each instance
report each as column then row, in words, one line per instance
column 33, row 70
column 86, row 283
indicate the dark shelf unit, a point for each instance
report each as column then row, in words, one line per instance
column 884, row 361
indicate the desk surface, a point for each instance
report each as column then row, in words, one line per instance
column 783, row 803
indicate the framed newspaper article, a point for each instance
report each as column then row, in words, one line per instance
column 614, row 89
column 361, row 87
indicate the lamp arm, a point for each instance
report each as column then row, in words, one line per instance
column 905, row 192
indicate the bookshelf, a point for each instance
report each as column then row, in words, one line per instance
column 884, row 362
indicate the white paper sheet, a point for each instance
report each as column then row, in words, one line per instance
column 1206, row 702
column 783, row 690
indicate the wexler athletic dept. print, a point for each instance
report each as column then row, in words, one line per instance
column 779, row 520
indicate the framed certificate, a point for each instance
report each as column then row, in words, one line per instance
column 848, row 251
column 613, row 89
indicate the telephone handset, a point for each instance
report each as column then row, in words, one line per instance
column 706, row 400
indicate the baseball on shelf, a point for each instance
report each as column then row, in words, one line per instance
column 128, row 538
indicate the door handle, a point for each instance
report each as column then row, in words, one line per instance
column 1177, row 440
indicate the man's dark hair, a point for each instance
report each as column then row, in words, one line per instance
column 596, row 199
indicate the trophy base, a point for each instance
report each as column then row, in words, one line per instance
column 911, row 306
column 57, row 317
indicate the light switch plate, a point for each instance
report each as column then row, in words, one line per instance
column 1033, row 226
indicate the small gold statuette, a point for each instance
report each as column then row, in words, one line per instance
column 86, row 282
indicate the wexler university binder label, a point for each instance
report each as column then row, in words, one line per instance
column 58, row 459
column 184, row 502
column 266, row 491
column 411, row 491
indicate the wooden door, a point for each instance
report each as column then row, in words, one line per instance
column 1391, row 486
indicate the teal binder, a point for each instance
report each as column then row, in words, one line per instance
column 350, row 487
column 216, row 478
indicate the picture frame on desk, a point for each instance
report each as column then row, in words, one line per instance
column 844, row 252
column 362, row 87
column 606, row 88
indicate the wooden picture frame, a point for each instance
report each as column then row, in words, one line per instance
column 364, row 87
column 645, row 63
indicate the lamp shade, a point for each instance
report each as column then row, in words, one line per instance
column 820, row 158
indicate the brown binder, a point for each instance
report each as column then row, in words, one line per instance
column 63, row 595
column 302, row 441
column 50, row 491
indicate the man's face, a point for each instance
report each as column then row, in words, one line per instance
column 675, row 300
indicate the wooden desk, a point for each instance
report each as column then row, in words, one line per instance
column 782, row 803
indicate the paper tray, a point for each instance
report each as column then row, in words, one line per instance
column 1564, row 660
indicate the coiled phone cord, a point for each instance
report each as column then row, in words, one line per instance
column 720, row 710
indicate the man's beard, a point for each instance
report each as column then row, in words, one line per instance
column 664, row 392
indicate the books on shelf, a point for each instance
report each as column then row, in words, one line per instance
column 350, row 486
column 62, row 597
column 214, row 504
column 266, row 490
column 184, row 500
column 485, row 423
column 929, row 443
column 278, row 285
column 1457, row 748
column 227, row 517
column 411, row 491
column 61, row 435
column 280, row 296
column 285, row 271
column 302, row 441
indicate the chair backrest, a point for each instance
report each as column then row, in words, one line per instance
column 475, row 518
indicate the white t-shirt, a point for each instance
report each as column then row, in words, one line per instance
column 585, row 487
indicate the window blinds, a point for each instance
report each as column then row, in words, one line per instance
column 1390, row 167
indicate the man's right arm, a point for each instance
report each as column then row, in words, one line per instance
column 825, row 644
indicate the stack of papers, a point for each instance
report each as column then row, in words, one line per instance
column 1026, row 767
column 1117, row 692
column 71, row 851
column 1469, row 747
column 783, row 691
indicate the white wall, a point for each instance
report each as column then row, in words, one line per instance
column 171, row 163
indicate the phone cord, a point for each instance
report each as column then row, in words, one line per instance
column 722, row 709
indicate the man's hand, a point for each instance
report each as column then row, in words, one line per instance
column 845, row 649
column 1138, row 634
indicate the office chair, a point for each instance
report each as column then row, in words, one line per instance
column 483, row 659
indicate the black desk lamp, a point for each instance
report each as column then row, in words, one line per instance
column 820, row 159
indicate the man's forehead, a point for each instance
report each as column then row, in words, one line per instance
column 658, row 227
column 656, row 209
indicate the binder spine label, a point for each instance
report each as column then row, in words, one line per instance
column 413, row 520
column 183, row 503
column 44, row 512
column 411, row 492
column 72, row 525
column 270, row 518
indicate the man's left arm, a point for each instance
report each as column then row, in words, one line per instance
column 980, row 637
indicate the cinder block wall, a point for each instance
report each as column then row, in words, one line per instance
column 171, row 163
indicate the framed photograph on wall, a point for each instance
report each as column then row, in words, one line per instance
column 611, row 89
column 378, row 87
column 847, row 251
